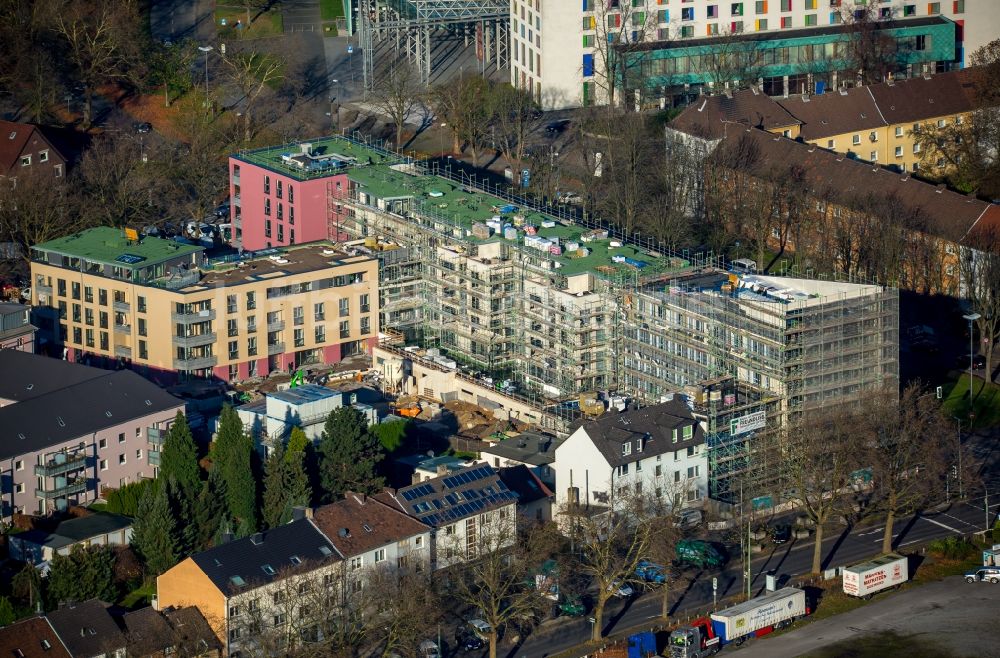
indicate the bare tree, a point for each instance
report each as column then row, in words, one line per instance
column 117, row 180
column 822, row 457
column 253, row 73
column 734, row 62
column 611, row 543
column 466, row 105
column 628, row 146
column 514, row 112
column 870, row 52
column 909, row 449
column 979, row 267
column 396, row 94
column 36, row 207
column 403, row 605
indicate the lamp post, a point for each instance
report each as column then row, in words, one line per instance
column 441, row 137
column 971, row 317
column 206, row 50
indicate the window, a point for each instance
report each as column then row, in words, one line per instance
column 418, row 541
column 121, row 437
column 104, row 464
column 143, row 353
column 267, row 207
column 713, row 11
column 138, row 455
column 623, row 469
column 234, row 350
column 230, row 303
column 688, row 432
column 76, row 291
column 856, row 140
column 291, row 193
column 345, row 329
column 909, row 10
column 958, row 120
column 318, row 312
column 141, row 303
column 933, row 8
column 786, row 22
column 267, row 184
column 19, row 465
column 320, row 333
column 736, row 9
column 344, row 307
column 357, row 562
column 25, row 160
column 687, row 31
column 365, row 302
column 810, row 20
column 687, row 14
column 380, row 555
column 366, row 325
column 873, row 156
column 300, row 339
column 251, row 301
column 232, row 328
column 43, row 156
column 252, row 346
column 278, row 190
column 941, row 123
column 916, row 149
column 922, row 42
column 102, row 297
column 121, row 458
column 958, row 7
column 899, row 151
column 90, row 337
column 899, row 131
column 786, row 5
column 761, row 6
column 626, row 449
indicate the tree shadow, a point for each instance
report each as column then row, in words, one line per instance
column 906, row 528
column 845, row 533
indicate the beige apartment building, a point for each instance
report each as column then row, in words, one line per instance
column 169, row 311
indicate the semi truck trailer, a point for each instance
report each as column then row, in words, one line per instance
column 873, row 576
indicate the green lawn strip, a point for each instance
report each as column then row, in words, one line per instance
column 269, row 24
column 139, row 597
column 331, row 10
column 330, row 29
column 986, row 401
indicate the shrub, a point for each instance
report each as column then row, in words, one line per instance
column 952, row 548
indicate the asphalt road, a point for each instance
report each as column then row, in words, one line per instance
column 957, row 616
column 182, row 19
column 793, row 559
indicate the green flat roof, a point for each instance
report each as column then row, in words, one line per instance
column 105, row 244
column 271, row 157
column 461, row 207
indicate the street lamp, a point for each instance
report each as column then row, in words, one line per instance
column 441, row 137
column 206, row 50
column 971, row 317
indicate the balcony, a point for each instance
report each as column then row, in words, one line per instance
column 193, row 317
column 55, row 467
column 276, row 348
column 277, row 325
column 123, row 328
column 76, row 486
column 121, row 306
column 153, row 457
column 196, row 362
column 43, row 289
column 196, row 340
column 156, row 436
column 123, row 350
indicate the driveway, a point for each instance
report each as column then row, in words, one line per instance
column 956, row 616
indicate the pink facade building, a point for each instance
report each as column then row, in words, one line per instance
column 285, row 195
column 72, row 431
column 16, row 330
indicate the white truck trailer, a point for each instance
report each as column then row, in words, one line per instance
column 876, row 575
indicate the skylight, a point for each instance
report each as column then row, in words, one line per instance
column 268, row 569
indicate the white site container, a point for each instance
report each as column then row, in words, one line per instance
column 876, row 575
column 761, row 612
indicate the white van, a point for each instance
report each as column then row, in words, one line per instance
column 688, row 518
column 743, row 266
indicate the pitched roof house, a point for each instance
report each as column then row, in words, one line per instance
column 88, row 630
column 23, row 145
column 31, row 638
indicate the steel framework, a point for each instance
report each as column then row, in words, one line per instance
column 411, row 25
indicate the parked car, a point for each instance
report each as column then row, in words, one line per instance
column 480, row 628
column 699, row 553
column 621, row 590
column 223, row 210
column 984, row 575
column 572, row 607
column 557, row 127
column 688, row 518
column 781, row 533
column 143, row 127
column 467, row 640
column 978, row 362
column 429, row 649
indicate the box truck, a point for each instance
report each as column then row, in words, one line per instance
column 876, row 575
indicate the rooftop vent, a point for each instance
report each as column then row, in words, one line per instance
column 306, row 148
column 344, row 533
column 367, row 527
column 257, row 539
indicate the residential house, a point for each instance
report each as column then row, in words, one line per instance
column 272, row 586
column 73, row 431
column 468, row 510
column 370, row 536
column 108, row 296
column 534, row 498
column 421, row 467
column 24, row 147
column 16, row 330
column 182, row 632
column 88, row 630
column 306, row 406
column 533, row 449
column 656, row 450
column 96, row 529
column 31, row 638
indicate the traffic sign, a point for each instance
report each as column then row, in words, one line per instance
column 350, row 49
column 715, row 584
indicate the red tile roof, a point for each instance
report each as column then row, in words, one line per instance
column 357, row 524
column 13, row 138
column 28, row 637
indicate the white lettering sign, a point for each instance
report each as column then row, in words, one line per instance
column 750, row 422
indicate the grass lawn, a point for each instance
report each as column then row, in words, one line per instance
column 986, row 404
column 139, row 597
column 331, row 10
column 268, row 24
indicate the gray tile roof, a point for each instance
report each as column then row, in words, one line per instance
column 445, row 499
column 24, row 376
column 79, row 409
column 532, row 448
column 87, row 629
column 76, row 530
column 264, row 557
column 653, row 426
column 525, row 484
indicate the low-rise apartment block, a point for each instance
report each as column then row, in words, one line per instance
column 73, row 431
column 108, row 298
column 16, row 330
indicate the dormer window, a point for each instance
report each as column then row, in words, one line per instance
column 626, row 449
column 688, row 432
column 638, row 444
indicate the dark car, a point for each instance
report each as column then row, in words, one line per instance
column 557, row 127
column 467, row 640
column 978, row 362
column 781, row 533
column 143, row 127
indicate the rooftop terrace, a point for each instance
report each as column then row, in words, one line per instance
column 317, row 158
column 458, row 208
column 108, row 245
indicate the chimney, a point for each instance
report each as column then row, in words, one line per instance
column 227, row 537
column 257, row 538
column 300, row 512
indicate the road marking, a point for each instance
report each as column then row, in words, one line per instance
column 871, row 532
column 946, row 527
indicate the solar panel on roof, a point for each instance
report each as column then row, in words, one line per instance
column 407, row 495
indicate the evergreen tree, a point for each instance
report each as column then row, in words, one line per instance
column 84, row 574
column 154, row 532
column 179, row 458
column 298, row 442
column 299, row 457
column 182, row 511
column 233, row 455
column 275, row 499
column 349, row 454
column 210, row 510
column 7, row 615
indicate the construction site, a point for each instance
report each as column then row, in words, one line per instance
column 535, row 310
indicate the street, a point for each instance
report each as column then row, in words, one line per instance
column 793, row 559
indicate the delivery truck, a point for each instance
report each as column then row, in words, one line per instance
column 865, row 579
column 758, row 616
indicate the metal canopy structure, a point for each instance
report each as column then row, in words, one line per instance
column 412, row 25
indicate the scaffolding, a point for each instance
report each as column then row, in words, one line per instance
column 410, row 28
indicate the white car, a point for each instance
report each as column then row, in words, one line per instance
column 481, row 628
column 621, row 590
column 429, row 649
